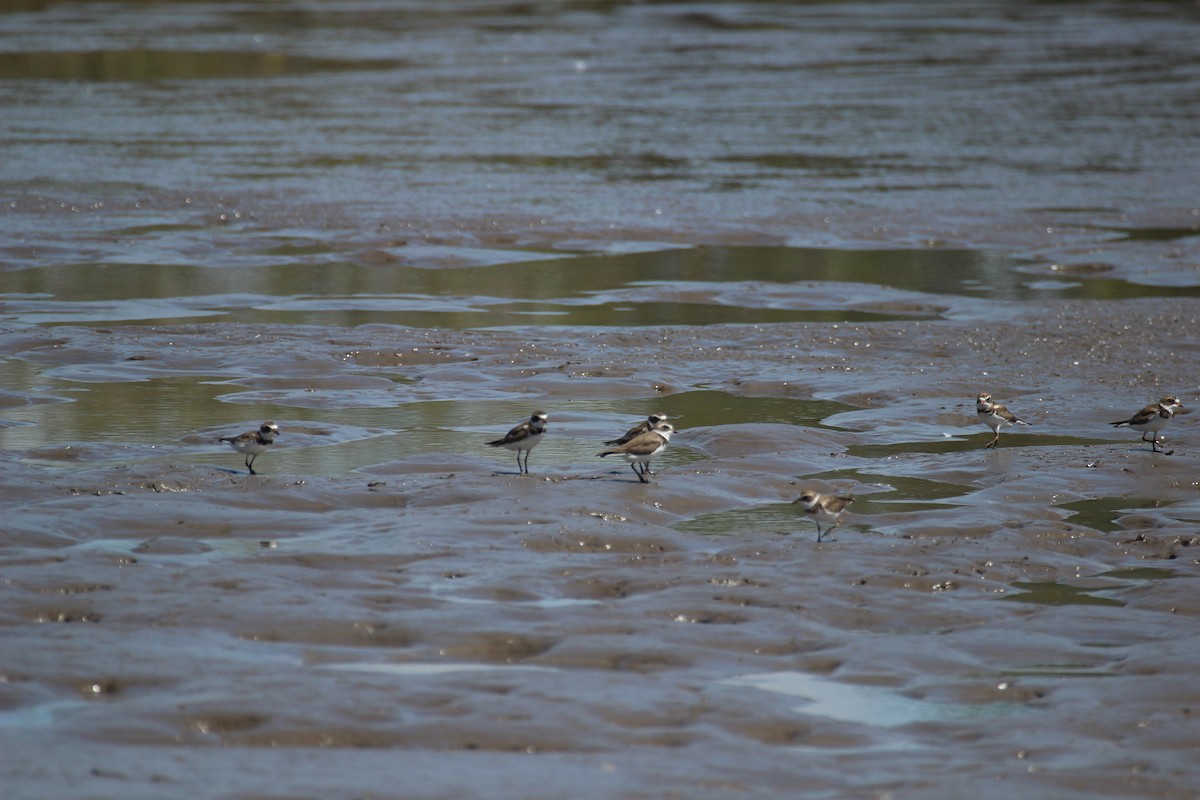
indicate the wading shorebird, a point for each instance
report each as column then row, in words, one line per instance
column 524, row 437
column 251, row 443
column 825, row 509
column 995, row 416
column 640, row 449
column 639, row 429
column 1153, row 418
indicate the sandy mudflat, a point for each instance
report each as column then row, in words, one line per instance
column 810, row 232
column 1017, row 621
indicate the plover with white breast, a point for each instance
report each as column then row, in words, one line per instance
column 251, row 443
column 1152, row 419
column 637, row 430
column 825, row 509
column 640, row 449
column 995, row 416
column 524, row 438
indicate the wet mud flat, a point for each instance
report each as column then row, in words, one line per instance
column 371, row 613
column 811, row 232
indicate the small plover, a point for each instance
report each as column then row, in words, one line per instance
column 825, row 509
column 995, row 416
column 251, row 443
column 524, row 437
column 1152, row 419
column 639, row 429
column 640, row 449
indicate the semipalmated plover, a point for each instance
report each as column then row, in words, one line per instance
column 643, row 447
column 639, row 429
column 251, row 443
column 995, row 416
column 825, row 509
column 1152, row 419
column 524, row 437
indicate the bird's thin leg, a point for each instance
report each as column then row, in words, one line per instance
column 250, row 463
column 641, row 477
column 818, row 531
column 995, row 441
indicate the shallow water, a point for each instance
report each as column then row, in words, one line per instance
column 810, row 233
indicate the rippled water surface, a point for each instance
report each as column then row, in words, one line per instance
column 809, row 233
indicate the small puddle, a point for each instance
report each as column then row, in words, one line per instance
column 967, row 439
column 877, row 494
column 41, row 716
column 1049, row 593
column 426, row 669
column 1141, row 574
column 1101, row 513
column 892, row 489
column 876, row 706
column 781, row 518
column 710, row 407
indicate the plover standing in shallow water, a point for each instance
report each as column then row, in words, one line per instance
column 524, row 437
column 639, row 429
column 643, row 447
column 995, row 416
column 825, row 509
column 1152, row 419
column 251, row 443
